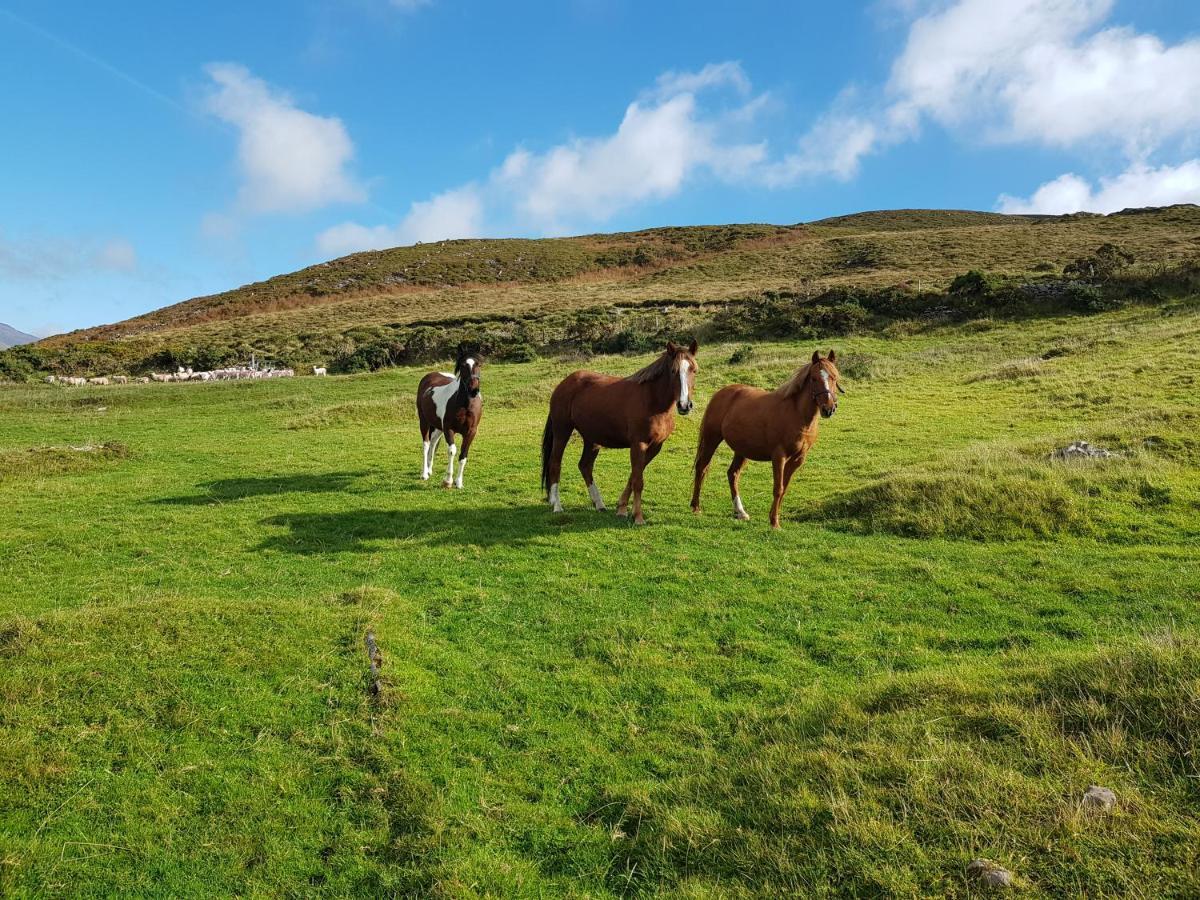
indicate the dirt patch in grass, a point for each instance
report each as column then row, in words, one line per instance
column 41, row 461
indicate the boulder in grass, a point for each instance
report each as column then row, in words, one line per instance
column 1082, row 450
column 1099, row 799
column 988, row 874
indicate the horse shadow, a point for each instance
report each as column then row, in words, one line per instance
column 360, row 530
column 228, row 489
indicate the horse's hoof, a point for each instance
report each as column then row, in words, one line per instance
column 447, row 484
column 639, row 521
column 695, row 510
column 622, row 512
column 424, row 477
column 744, row 517
column 602, row 508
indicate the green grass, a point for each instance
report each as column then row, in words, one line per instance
column 949, row 640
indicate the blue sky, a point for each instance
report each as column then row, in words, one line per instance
column 152, row 151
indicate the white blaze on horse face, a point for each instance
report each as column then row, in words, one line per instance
column 825, row 379
column 684, row 365
column 555, row 503
column 597, row 501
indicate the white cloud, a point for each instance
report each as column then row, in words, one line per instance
column 454, row 214
column 117, row 255
column 48, row 259
column 1027, row 71
column 290, row 160
column 665, row 138
column 655, row 149
column 1137, row 186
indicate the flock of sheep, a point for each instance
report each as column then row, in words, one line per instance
column 234, row 373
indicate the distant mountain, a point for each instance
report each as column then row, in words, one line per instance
column 10, row 337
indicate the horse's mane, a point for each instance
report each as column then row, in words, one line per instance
column 792, row 386
column 656, row 369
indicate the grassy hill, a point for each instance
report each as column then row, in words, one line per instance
column 952, row 637
column 550, row 291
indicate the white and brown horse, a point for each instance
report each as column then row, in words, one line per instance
column 637, row 412
column 449, row 404
column 779, row 426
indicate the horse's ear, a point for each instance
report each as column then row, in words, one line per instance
column 816, row 357
column 832, row 357
column 693, row 347
column 671, row 348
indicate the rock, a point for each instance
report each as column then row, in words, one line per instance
column 1100, row 799
column 988, row 874
column 1082, row 450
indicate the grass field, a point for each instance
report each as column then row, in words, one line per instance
column 950, row 639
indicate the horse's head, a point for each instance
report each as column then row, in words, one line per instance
column 683, row 366
column 467, row 368
column 823, row 376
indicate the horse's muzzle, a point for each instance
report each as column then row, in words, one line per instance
column 683, row 410
column 828, row 413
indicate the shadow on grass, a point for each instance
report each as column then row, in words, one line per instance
column 357, row 530
column 227, row 489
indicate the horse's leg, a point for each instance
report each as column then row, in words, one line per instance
column 467, row 439
column 704, row 454
column 735, row 478
column 779, row 468
column 637, row 463
column 647, row 456
column 586, row 460
column 449, row 482
column 424, row 451
column 789, row 469
column 623, row 503
column 555, row 469
column 435, row 438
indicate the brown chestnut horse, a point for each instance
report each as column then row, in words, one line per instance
column 449, row 404
column 779, row 425
column 637, row 412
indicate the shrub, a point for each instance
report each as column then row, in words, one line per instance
column 1101, row 266
column 741, row 354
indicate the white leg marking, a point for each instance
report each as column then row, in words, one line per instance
column 424, row 460
column 596, row 500
column 739, row 511
column 434, row 440
column 555, row 503
column 450, row 471
column 462, row 467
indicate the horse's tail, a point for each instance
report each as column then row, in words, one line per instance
column 547, row 446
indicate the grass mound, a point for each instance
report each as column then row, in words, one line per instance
column 41, row 461
column 993, row 495
column 979, row 502
column 363, row 412
column 892, row 791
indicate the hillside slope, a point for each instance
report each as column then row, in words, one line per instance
column 327, row 310
column 10, row 337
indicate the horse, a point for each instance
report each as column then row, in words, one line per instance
column 449, row 404
column 637, row 412
column 779, row 426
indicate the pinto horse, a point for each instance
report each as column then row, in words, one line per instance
column 779, row 426
column 637, row 412
column 449, row 404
